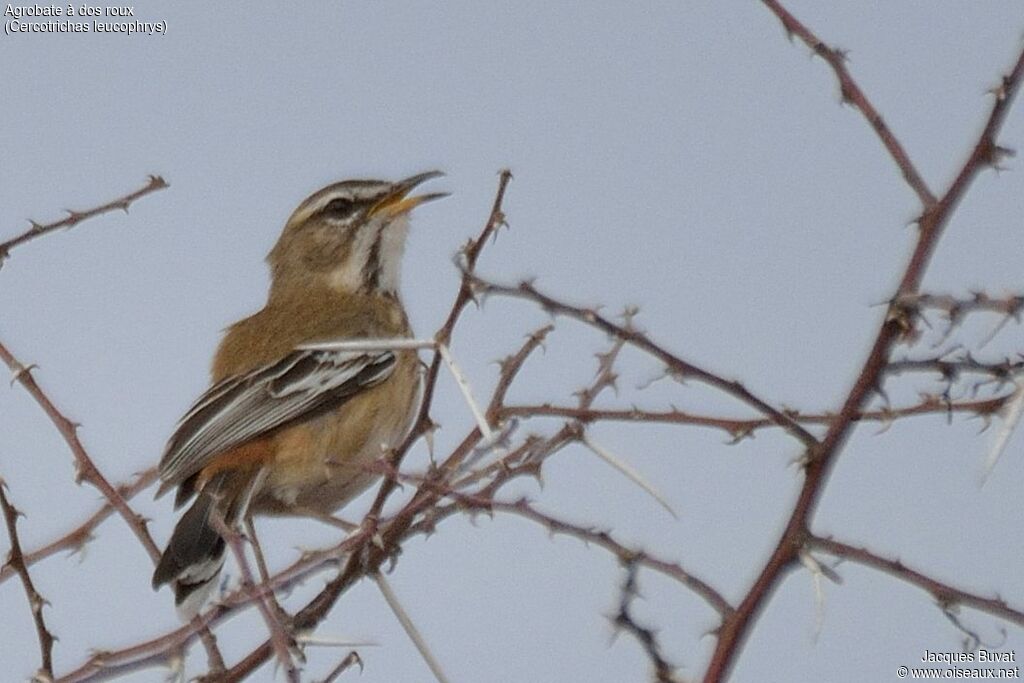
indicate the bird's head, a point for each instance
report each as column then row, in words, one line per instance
column 349, row 236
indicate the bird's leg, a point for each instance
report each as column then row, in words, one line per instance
column 264, row 587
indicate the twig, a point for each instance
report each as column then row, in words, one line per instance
column 86, row 468
column 676, row 365
column 601, row 539
column 36, row 602
column 956, row 308
column 647, row 637
column 510, row 366
column 75, row 217
column 87, row 471
column 346, row 663
column 945, row 594
column 279, row 633
column 952, row 369
column 898, row 322
column 852, row 94
column 102, row 665
column 738, row 428
column 75, row 539
column 467, row 392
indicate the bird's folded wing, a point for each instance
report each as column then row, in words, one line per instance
column 241, row 408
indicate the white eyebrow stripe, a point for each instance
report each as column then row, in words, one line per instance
column 360, row 192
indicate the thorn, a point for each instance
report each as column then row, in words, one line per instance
column 739, row 434
column 845, row 95
column 998, row 154
column 882, row 393
column 21, row 371
column 998, row 91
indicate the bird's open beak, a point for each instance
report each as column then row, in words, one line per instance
column 396, row 202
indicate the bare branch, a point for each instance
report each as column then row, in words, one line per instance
column 852, row 94
column 945, row 594
column 739, row 428
column 280, row 636
column 36, row 602
column 601, row 539
column 676, row 365
column 75, row 217
column 75, row 539
column 345, row 664
column 86, row 468
column 646, row 636
column 510, row 367
column 898, row 322
column 956, row 308
column 87, row 471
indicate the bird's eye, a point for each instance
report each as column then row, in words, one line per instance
column 339, row 206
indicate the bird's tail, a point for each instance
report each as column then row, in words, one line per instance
column 194, row 556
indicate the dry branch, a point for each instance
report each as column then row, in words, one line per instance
column 677, row 367
column 75, row 217
column 897, row 323
column 36, row 602
column 945, row 594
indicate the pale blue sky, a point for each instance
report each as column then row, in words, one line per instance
column 685, row 157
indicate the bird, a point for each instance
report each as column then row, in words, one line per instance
column 287, row 427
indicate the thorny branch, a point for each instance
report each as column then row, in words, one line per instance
column 75, row 217
column 452, row 488
column 677, row 367
column 36, row 602
column 602, row 539
column 74, row 540
column 351, row 659
column 852, row 94
column 280, row 638
column 86, row 469
column 946, row 596
column 898, row 322
column 956, row 309
column 645, row 635
column 738, row 429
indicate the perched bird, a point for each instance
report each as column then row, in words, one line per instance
column 285, row 429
